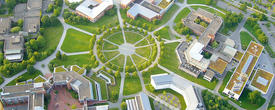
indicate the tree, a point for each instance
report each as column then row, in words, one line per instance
column 135, row 75
column 58, row 55
column 203, row 24
column 98, row 30
column 45, row 20
column 124, row 21
column 56, row 12
column 64, row 56
column 114, row 95
column 127, row 75
column 41, row 31
column 123, row 106
column 197, row 21
column 151, row 88
column 262, row 38
column 155, row 21
column 16, row 29
column 243, row 7
column 30, row 69
column 20, row 23
column 214, row 44
column 254, row 96
column 144, row 25
column 117, row 74
column 150, row 28
column 164, row 93
column 58, row 2
column 208, row 2
column 137, row 23
column 103, row 27
column 272, row 108
column 96, row 63
column 11, row 3
column 141, row 30
column 73, row 106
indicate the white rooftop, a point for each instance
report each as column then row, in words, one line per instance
column 230, row 50
column 125, row 2
column 196, row 50
column 138, row 9
column 37, row 85
column 13, row 57
column 77, row 83
column 145, row 101
column 262, row 81
column 74, row 1
column 94, row 12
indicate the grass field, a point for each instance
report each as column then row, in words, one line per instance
column 245, row 39
column 116, row 38
column 144, row 51
column 164, row 33
column 26, row 76
column 170, row 61
column 132, row 38
column 137, row 59
column 181, row 98
column 110, row 55
column 52, row 36
column 146, row 77
column 128, row 86
column 115, row 88
column 76, row 41
column 109, row 46
column 129, row 61
column 103, row 88
column 167, row 16
column 142, row 43
column 182, row 14
column 74, row 60
column 224, row 81
column 195, row 1
column 119, row 61
column 104, row 20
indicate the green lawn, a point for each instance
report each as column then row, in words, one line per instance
column 164, row 33
column 182, row 14
column 116, row 38
column 128, row 88
column 115, row 88
column 103, row 88
column 104, row 20
column 52, row 36
column 181, row 98
column 93, row 86
column 167, row 16
column 119, row 61
column 26, row 76
column 137, row 59
column 144, row 51
column 129, row 61
column 270, row 105
column 76, row 41
column 1, row 79
column 171, row 62
column 110, row 55
column 195, row 1
column 132, row 38
column 109, row 46
column 59, row 69
column 142, row 43
column 245, row 39
column 146, row 77
column 74, row 60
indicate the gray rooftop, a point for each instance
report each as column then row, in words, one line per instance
column 31, row 24
column 209, row 73
column 84, row 88
column 152, row 7
column 34, row 4
column 17, row 89
column 5, row 24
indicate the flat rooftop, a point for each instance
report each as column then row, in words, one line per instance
column 218, row 66
column 84, row 87
column 34, row 4
column 17, row 88
column 13, row 42
column 4, row 24
column 262, row 80
column 31, row 24
column 152, row 7
column 242, row 76
column 255, row 49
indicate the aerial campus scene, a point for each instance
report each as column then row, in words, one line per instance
column 137, row 54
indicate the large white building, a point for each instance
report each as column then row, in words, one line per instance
column 165, row 81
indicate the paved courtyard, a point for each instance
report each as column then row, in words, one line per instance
column 59, row 101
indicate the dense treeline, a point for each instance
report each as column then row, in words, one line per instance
column 232, row 19
column 252, row 22
column 214, row 102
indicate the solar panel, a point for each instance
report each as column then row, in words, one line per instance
column 249, row 60
column 262, row 81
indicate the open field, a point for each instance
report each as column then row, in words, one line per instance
column 128, row 86
column 26, row 76
column 132, row 38
column 182, row 14
column 116, row 38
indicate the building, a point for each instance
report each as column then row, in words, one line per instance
column 25, row 97
column 13, row 47
column 5, row 25
column 242, row 73
column 261, row 81
column 93, row 10
column 209, row 74
column 141, row 102
column 34, row 4
column 31, row 24
column 165, row 81
column 147, row 9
